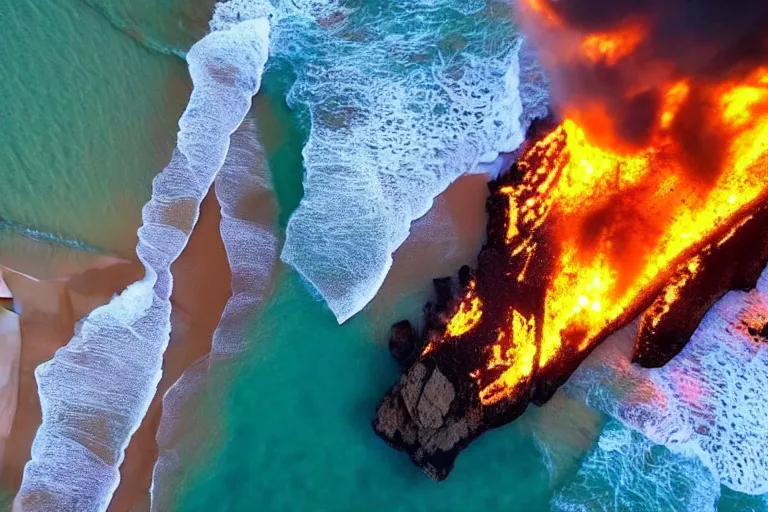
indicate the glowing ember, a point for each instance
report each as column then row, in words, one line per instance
column 649, row 198
column 621, row 222
column 467, row 316
column 610, row 47
column 516, row 356
column 616, row 227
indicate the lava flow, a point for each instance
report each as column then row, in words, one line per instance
column 649, row 198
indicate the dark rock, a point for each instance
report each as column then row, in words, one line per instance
column 425, row 415
column 435, row 409
column 444, row 291
column 465, row 276
column 403, row 342
column 735, row 263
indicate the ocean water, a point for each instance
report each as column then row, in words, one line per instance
column 404, row 96
column 299, row 436
column 299, row 405
column 88, row 118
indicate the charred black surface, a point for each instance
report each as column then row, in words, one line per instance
column 734, row 264
column 404, row 343
column 435, row 410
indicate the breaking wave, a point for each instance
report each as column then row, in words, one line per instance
column 708, row 402
column 96, row 390
column 402, row 97
column 251, row 244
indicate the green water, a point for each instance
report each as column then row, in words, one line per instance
column 300, row 437
column 297, row 419
column 92, row 94
column 88, row 117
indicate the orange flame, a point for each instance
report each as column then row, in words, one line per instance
column 620, row 225
column 610, row 47
column 593, row 285
column 467, row 316
column 673, row 100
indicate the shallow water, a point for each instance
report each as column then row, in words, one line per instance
column 88, row 118
column 297, row 416
column 300, row 437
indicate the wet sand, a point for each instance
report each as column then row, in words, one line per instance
column 448, row 236
column 49, row 310
column 51, row 307
column 201, row 289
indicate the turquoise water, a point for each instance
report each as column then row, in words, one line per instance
column 88, row 118
column 92, row 118
column 300, row 437
column 297, row 417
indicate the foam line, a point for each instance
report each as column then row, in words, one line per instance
column 252, row 246
column 397, row 114
column 708, row 402
column 96, row 390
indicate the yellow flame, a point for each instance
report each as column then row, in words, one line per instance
column 673, row 100
column 671, row 292
column 619, row 225
column 585, row 294
column 467, row 317
column 611, row 47
column 518, row 359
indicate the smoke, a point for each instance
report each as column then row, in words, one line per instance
column 612, row 61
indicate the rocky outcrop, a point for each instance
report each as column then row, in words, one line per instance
column 426, row 414
column 436, row 408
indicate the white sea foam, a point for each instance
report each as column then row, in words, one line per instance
column 399, row 108
column 248, row 208
column 625, row 471
column 708, row 402
column 96, row 390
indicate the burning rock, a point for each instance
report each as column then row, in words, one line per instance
column 650, row 195
column 580, row 240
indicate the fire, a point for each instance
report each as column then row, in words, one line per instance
column 611, row 47
column 542, row 8
column 673, row 100
column 469, row 314
column 515, row 356
column 648, row 200
column 616, row 228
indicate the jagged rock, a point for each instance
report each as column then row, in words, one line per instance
column 435, row 409
column 444, row 291
column 403, row 342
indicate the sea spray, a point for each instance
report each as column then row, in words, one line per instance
column 96, row 390
column 248, row 212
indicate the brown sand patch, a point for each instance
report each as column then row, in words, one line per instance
column 201, row 290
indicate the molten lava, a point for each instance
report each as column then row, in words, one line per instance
column 614, row 228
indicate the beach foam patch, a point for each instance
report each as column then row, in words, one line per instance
column 708, row 402
column 403, row 98
column 248, row 212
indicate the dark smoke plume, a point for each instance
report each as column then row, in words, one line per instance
column 706, row 41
